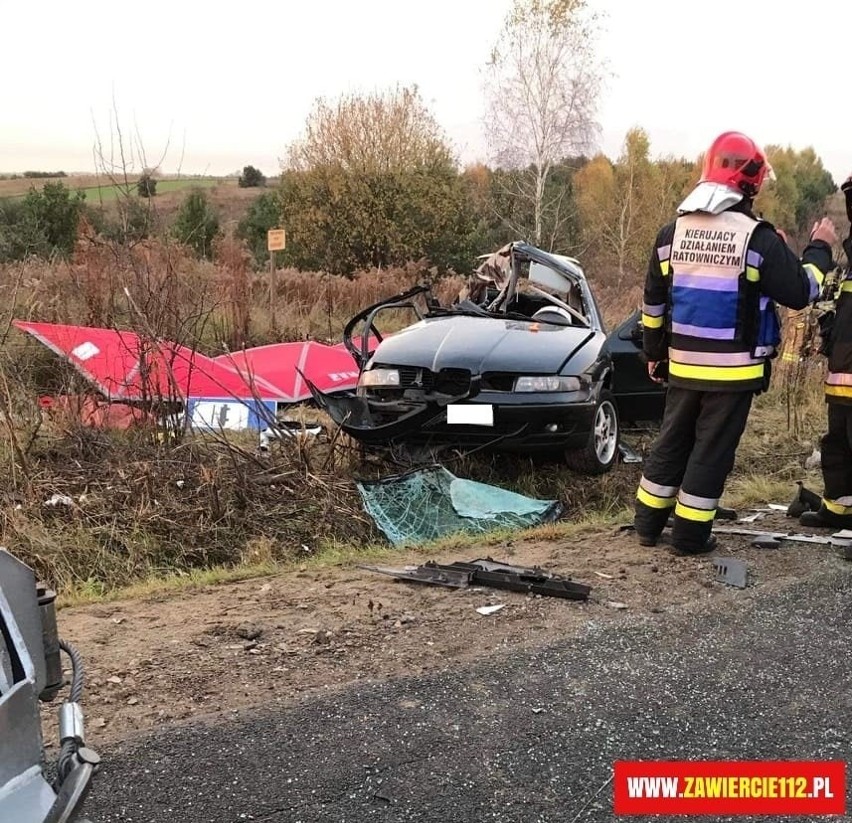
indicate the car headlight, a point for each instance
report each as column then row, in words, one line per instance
column 544, row 383
column 379, row 378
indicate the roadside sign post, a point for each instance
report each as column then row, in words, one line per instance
column 276, row 240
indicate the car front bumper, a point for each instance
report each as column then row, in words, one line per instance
column 528, row 426
column 534, row 422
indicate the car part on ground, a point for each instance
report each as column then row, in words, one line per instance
column 520, row 362
column 731, row 571
column 766, row 542
column 790, row 537
column 490, row 573
column 31, row 671
column 628, row 453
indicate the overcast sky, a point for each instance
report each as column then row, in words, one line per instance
column 231, row 83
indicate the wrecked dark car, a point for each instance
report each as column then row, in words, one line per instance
column 520, row 361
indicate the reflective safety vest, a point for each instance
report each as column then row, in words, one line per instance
column 838, row 382
column 721, row 328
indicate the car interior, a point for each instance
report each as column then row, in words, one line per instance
column 510, row 282
column 546, row 295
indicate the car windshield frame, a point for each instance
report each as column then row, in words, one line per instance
column 566, row 267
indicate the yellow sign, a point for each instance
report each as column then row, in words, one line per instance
column 276, row 240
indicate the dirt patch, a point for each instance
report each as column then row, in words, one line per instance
column 209, row 653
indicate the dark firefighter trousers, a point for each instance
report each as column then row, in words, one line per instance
column 836, row 460
column 689, row 464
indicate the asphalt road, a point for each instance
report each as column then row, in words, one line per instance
column 530, row 736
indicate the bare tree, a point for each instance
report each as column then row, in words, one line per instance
column 542, row 91
column 122, row 161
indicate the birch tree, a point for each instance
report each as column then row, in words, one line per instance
column 542, row 86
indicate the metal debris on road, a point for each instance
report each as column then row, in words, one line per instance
column 788, row 536
column 488, row 572
column 766, row 542
column 486, row 610
column 628, row 454
column 731, row 571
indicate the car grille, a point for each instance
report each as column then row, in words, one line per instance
column 498, row 381
column 446, row 381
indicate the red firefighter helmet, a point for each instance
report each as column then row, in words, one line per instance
column 736, row 161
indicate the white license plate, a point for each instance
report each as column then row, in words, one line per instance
column 461, row 414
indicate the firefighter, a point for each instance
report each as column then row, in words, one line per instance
column 711, row 327
column 835, row 510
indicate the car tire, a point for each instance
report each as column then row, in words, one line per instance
column 599, row 454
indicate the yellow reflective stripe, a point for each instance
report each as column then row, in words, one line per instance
column 846, row 285
column 836, row 508
column 651, row 322
column 665, row 267
column 653, row 501
column 838, row 391
column 716, row 373
column 752, row 274
column 814, row 270
column 698, row 515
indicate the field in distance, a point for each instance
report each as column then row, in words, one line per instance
column 100, row 189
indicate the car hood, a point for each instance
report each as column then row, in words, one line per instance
column 483, row 344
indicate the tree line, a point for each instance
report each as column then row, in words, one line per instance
column 373, row 184
column 373, row 181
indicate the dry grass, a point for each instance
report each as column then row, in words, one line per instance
column 106, row 509
column 228, row 200
column 617, row 303
column 204, row 304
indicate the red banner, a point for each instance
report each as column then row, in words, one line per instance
column 748, row 787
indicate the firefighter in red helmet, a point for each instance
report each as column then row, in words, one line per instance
column 711, row 328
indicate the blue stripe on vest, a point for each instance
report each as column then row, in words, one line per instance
column 769, row 332
column 700, row 307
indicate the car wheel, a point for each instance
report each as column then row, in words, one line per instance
column 599, row 454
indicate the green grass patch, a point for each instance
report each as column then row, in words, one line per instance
column 105, row 194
